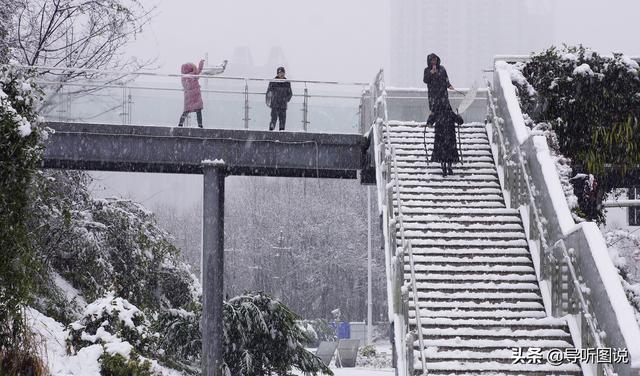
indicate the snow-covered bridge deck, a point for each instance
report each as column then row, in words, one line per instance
column 115, row 147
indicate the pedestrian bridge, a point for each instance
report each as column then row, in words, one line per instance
column 477, row 263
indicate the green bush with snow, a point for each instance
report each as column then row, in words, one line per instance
column 20, row 154
column 591, row 106
column 118, row 365
column 114, row 323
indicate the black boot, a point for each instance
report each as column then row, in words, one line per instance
column 272, row 126
column 449, row 169
column 444, row 169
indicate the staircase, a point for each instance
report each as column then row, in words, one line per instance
column 478, row 294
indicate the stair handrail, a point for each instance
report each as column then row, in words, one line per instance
column 406, row 245
column 396, row 305
column 587, row 271
column 387, row 178
column 558, row 301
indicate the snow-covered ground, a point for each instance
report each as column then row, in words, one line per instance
column 53, row 337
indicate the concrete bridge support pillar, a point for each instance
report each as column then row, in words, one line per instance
column 212, row 266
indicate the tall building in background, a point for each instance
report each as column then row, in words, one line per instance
column 466, row 34
column 241, row 63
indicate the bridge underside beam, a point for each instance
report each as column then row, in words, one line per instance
column 181, row 150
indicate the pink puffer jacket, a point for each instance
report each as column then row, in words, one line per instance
column 191, row 86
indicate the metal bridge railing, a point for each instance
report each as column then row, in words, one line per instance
column 150, row 98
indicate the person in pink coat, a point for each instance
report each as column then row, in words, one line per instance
column 192, row 94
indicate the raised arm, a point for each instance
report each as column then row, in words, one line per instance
column 200, row 66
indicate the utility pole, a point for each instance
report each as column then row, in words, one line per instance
column 279, row 252
column 369, row 261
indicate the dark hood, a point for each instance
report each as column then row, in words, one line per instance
column 433, row 55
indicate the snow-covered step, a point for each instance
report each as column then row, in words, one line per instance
column 461, row 166
column 530, row 323
column 421, row 152
column 445, row 276
column 463, row 170
column 463, row 314
column 463, row 234
column 471, row 252
column 452, row 190
column 501, row 355
column 479, row 296
column 419, row 133
column 477, row 306
column 474, row 243
column 462, row 218
column 412, row 128
column 468, row 159
column 454, row 260
column 499, row 368
column 412, row 196
column 471, row 212
column 418, row 139
column 420, row 147
column 497, row 334
column 397, row 127
column 437, row 180
column 450, row 204
column 460, row 226
column 455, row 286
column 475, row 269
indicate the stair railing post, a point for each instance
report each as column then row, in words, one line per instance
column 246, row 104
column 305, row 108
column 417, row 309
column 410, row 359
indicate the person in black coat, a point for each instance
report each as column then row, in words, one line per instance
column 437, row 80
column 445, row 149
column 278, row 95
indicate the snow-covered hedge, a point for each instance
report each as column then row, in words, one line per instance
column 624, row 249
column 113, row 322
column 590, row 105
column 20, row 154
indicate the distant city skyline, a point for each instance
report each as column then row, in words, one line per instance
column 466, row 35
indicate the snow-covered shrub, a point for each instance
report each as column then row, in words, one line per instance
column 591, row 107
column 180, row 339
column 624, row 249
column 369, row 357
column 317, row 330
column 367, row 351
column 118, row 365
column 261, row 337
column 115, row 323
column 20, row 154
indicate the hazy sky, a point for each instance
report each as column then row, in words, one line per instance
column 337, row 39
column 328, row 39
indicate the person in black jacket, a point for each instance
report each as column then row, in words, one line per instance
column 437, row 80
column 278, row 95
column 445, row 149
